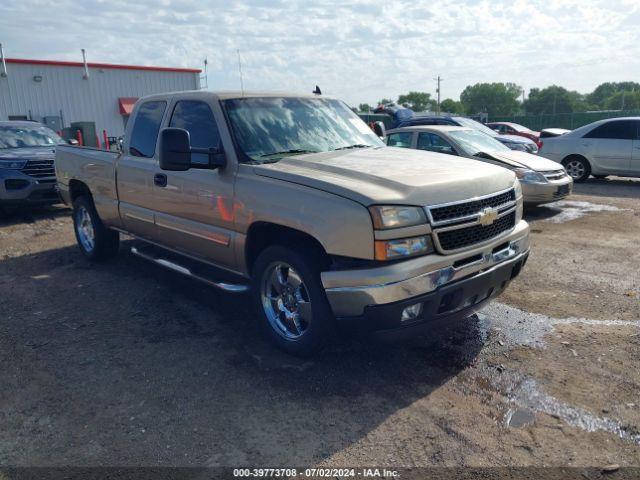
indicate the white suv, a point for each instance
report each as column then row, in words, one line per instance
column 605, row 147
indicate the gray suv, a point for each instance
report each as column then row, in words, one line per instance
column 27, row 174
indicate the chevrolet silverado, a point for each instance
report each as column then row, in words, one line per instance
column 294, row 198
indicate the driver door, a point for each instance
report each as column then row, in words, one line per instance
column 194, row 208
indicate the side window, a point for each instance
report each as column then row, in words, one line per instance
column 145, row 131
column 434, row 143
column 617, row 129
column 196, row 117
column 400, row 139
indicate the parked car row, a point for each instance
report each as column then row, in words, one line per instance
column 297, row 200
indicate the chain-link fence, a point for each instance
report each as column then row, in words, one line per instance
column 564, row 120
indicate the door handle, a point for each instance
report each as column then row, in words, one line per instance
column 160, row 180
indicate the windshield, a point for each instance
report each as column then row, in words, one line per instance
column 467, row 122
column 474, row 142
column 28, row 136
column 269, row 128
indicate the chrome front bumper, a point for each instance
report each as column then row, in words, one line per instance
column 350, row 292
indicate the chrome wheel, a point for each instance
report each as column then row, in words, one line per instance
column 84, row 227
column 285, row 301
column 575, row 169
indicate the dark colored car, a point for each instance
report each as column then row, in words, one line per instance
column 514, row 142
column 27, row 174
column 510, row 128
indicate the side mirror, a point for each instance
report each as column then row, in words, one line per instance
column 73, row 141
column 175, row 150
column 378, row 128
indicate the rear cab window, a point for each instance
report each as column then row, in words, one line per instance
column 144, row 135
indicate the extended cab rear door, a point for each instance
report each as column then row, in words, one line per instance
column 195, row 208
column 137, row 167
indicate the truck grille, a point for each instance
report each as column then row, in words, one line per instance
column 39, row 168
column 460, row 225
column 463, row 210
column 468, row 236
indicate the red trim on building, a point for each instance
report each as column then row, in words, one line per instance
column 126, row 104
column 101, row 65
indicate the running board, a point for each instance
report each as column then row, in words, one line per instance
column 163, row 260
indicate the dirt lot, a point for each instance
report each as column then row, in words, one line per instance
column 128, row 364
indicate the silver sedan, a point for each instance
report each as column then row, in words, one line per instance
column 542, row 180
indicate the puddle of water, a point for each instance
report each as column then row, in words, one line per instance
column 527, row 395
column 571, row 210
column 524, row 328
column 519, row 418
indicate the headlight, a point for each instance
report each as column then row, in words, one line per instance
column 403, row 247
column 519, row 202
column 385, row 217
column 13, row 164
column 517, row 146
column 529, row 176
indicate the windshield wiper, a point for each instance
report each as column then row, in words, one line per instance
column 357, row 145
column 293, row 151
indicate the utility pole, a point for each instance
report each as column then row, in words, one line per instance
column 438, row 92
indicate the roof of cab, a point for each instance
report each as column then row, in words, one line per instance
column 227, row 95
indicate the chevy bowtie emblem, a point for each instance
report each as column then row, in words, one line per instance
column 488, row 216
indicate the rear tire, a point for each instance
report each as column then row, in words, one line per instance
column 288, row 294
column 96, row 242
column 577, row 167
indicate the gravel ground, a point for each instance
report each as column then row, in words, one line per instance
column 127, row 364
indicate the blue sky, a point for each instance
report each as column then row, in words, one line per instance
column 358, row 51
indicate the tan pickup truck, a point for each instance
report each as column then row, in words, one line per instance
column 294, row 198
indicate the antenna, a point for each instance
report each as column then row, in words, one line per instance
column 240, row 69
column 204, row 79
column 86, row 67
column 3, row 65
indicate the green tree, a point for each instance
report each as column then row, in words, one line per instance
column 416, row 101
column 624, row 100
column 385, row 101
column 451, row 106
column 554, row 99
column 493, row 98
column 600, row 96
column 364, row 107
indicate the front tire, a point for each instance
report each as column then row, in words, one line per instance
column 577, row 167
column 96, row 242
column 291, row 301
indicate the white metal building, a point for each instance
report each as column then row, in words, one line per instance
column 59, row 93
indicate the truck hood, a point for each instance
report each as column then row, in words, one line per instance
column 518, row 159
column 27, row 153
column 391, row 175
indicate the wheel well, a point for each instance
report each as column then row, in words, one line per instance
column 78, row 189
column 263, row 234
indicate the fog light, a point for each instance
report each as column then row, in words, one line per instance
column 411, row 313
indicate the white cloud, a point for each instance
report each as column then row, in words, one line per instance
column 360, row 51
